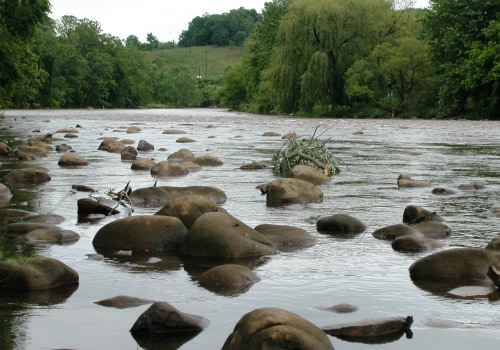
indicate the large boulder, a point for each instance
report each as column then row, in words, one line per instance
column 286, row 237
column 223, row 236
column 72, row 159
column 276, row 329
column 169, row 168
column 182, row 155
column 128, row 153
column 340, row 224
column 111, row 145
column 163, row 319
column 142, row 233
column 228, row 279
column 161, row 195
column 289, row 191
column 145, row 146
column 32, row 273
column 188, row 208
column 463, row 264
column 309, row 174
column 28, row 176
column 141, row 163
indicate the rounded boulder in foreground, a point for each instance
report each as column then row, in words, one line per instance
column 153, row 233
column 276, row 329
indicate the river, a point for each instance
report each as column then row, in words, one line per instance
column 359, row 270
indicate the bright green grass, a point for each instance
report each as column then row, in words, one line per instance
column 208, row 61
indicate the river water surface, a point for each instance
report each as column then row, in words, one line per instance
column 359, row 270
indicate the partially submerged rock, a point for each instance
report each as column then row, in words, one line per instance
column 340, row 224
column 286, row 237
column 33, row 273
column 310, row 174
column 51, row 236
column 163, row 319
column 289, row 191
column 228, row 279
column 28, row 176
column 188, row 208
column 161, row 195
column 141, row 233
column 375, row 331
column 220, row 235
column 392, row 232
column 123, row 302
column 72, row 159
column 462, row 264
column 405, row 180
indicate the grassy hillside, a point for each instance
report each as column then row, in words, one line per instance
column 208, row 61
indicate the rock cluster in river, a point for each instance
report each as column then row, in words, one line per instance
column 193, row 224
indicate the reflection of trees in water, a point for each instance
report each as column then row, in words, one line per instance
column 13, row 318
column 16, row 309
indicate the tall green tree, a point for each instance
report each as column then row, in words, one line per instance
column 318, row 41
column 225, row 29
column 20, row 77
column 457, row 31
column 242, row 84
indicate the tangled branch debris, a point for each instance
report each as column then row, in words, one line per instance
column 305, row 151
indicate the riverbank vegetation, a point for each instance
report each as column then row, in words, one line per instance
column 348, row 58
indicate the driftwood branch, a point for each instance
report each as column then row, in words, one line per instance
column 124, row 194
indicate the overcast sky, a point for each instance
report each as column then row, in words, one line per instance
column 165, row 19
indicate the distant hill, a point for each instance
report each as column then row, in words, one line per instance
column 207, row 61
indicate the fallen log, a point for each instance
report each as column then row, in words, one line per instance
column 374, row 331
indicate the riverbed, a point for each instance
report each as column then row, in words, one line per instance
column 358, row 270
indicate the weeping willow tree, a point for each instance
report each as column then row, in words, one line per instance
column 318, row 40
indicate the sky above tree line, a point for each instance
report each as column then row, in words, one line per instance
column 165, row 19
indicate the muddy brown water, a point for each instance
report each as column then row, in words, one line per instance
column 359, row 270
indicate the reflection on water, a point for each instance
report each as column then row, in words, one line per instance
column 358, row 270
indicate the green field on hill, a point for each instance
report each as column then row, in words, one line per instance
column 209, row 62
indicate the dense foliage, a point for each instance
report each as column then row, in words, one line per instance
column 225, row 29
column 464, row 37
column 370, row 58
column 359, row 58
column 20, row 77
